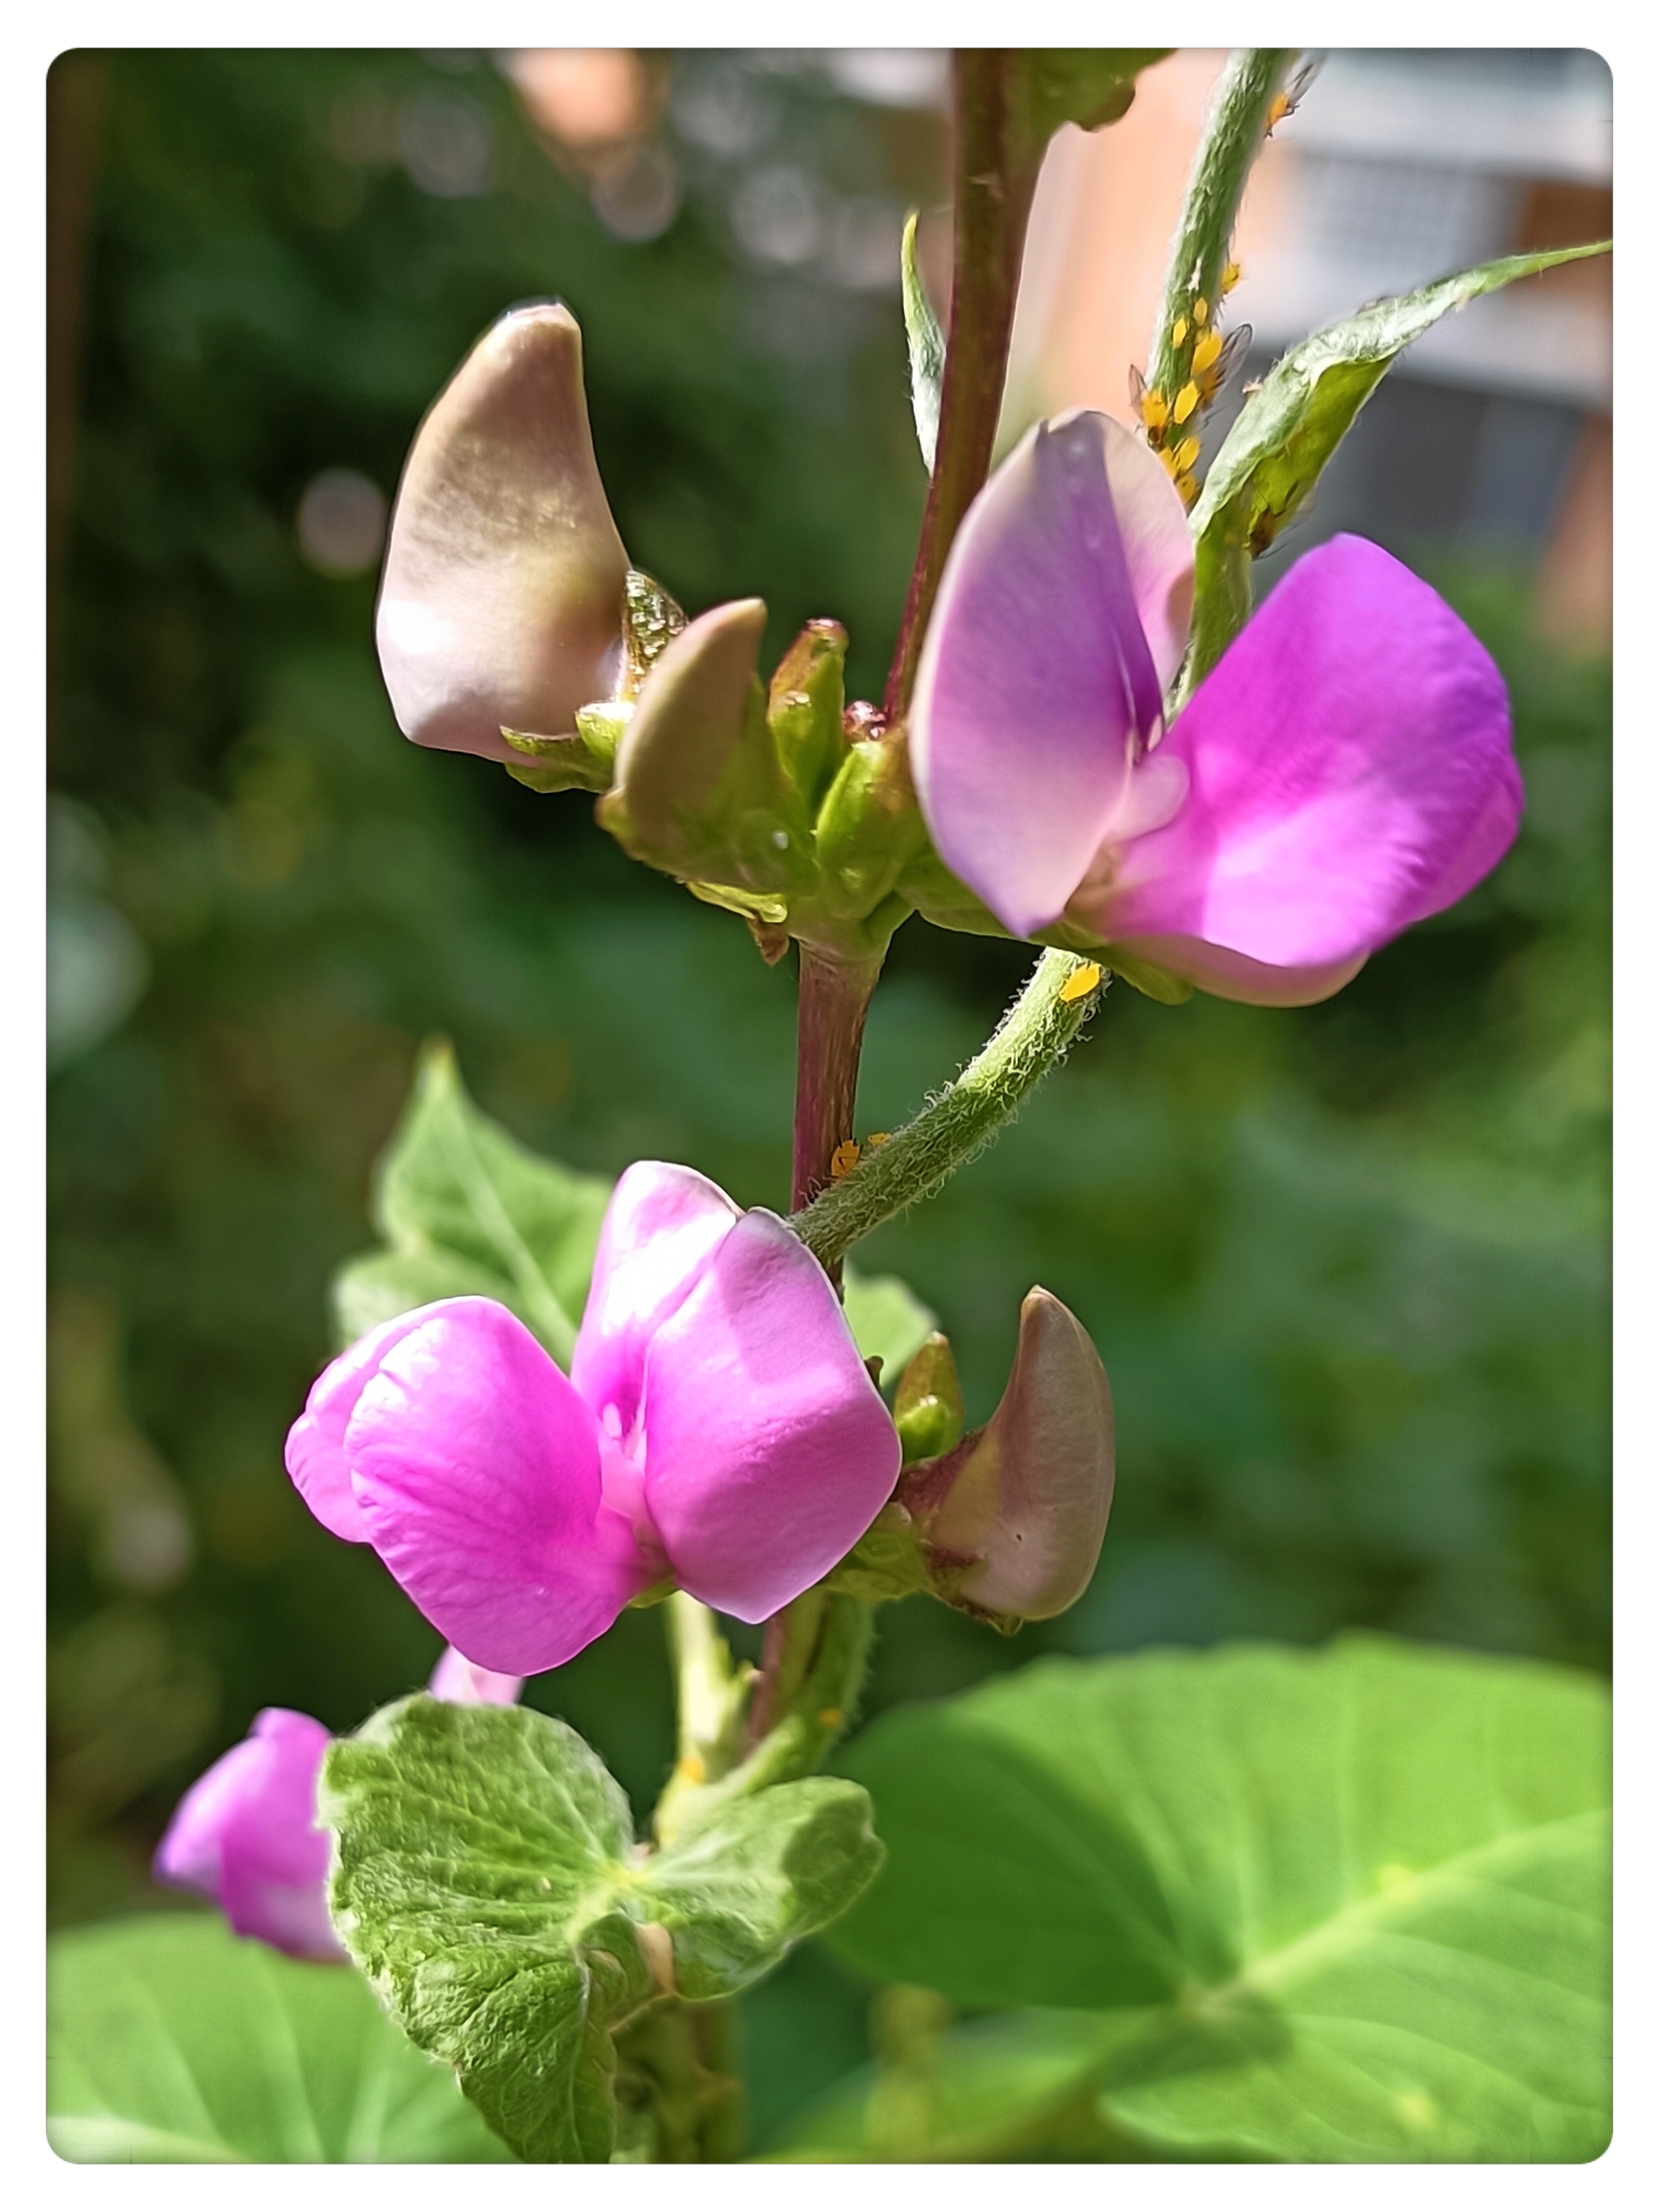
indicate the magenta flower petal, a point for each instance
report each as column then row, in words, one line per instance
column 477, row 1469
column 1062, row 613
column 314, row 1453
column 246, row 1835
column 659, row 1230
column 457, row 1682
column 1350, row 771
column 768, row 1449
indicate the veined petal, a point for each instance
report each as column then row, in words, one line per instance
column 502, row 598
column 768, row 1449
column 1038, row 684
column 476, row 1466
column 660, row 1226
column 246, row 1835
column 314, row 1453
column 1351, row 773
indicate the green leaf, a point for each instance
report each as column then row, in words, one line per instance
column 926, row 345
column 888, row 1320
column 737, row 1891
column 171, row 2041
column 1290, row 427
column 466, row 1210
column 487, row 1883
column 1359, row 1897
column 1083, row 84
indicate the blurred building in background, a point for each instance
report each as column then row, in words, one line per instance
column 1493, row 433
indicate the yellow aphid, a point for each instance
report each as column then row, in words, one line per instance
column 1230, row 277
column 877, row 1138
column 1185, row 400
column 1188, row 486
column 843, row 1159
column 1177, row 336
column 832, row 1717
column 1080, row 983
column 1277, row 111
column 1168, row 459
column 1154, row 410
column 1186, row 453
column 1201, row 311
column 1207, row 351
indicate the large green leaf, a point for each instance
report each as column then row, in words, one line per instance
column 1359, row 1897
column 489, row 1885
column 465, row 1210
column 171, row 2041
column 1290, row 428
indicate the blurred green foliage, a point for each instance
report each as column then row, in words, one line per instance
column 1347, row 1267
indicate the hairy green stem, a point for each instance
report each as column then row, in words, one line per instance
column 1033, row 1036
column 1233, row 133
column 996, row 176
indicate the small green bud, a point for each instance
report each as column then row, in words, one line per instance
column 699, row 790
column 805, row 709
column 927, row 1406
column 1013, row 1519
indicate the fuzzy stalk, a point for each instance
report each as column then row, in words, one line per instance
column 1033, row 1037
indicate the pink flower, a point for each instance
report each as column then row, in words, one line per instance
column 1343, row 772
column 717, row 1426
column 245, row 1833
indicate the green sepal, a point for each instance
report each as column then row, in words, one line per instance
column 886, row 1563
column 869, row 828
column 579, row 763
column 1291, row 425
column 1151, row 982
column 804, row 707
column 487, row 1882
column 466, row 1210
column 926, row 342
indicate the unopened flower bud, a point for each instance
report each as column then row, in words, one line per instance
column 1013, row 1521
column 927, row 1406
column 699, row 788
column 804, row 708
column 501, row 605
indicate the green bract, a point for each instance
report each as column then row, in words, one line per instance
column 172, row 2042
column 488, row 1882
column 1349, row 1905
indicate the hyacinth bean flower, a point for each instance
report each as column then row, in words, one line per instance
column 1343, row 772
column 501, row 600
column 245, row 1834
column 717, row 1427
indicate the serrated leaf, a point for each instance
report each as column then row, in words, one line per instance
column 1289, row 429
column 171, row 2041
column 1359, row 1896
column 888, row 1320
column 488, row 1885
column 465, row 1209
column 736, row 1892
column 926, row 344
column 472, row 1884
